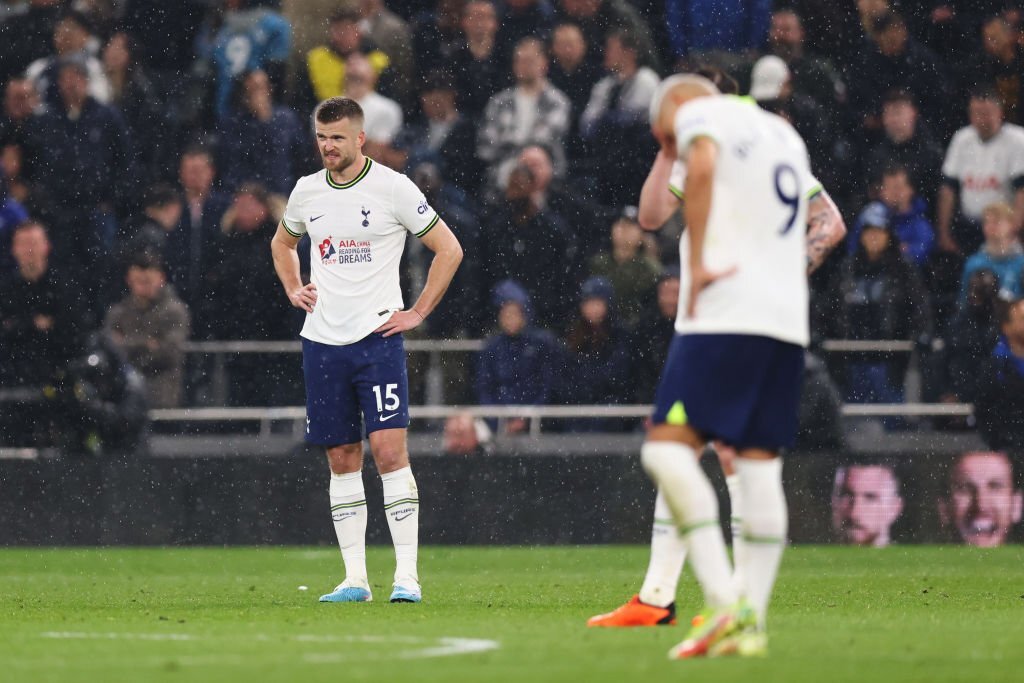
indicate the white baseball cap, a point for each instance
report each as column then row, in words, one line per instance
column 770, row 73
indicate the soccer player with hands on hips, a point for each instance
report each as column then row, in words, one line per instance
column 734, row 368
column 357, row 214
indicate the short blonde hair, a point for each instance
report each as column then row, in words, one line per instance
column 999, row 211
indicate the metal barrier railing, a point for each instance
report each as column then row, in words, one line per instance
column 297, row 414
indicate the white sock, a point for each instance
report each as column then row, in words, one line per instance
column 668, row 552
column 675, row 469
column 348, row 510
column 402, row 508
column 765, row 522
column 732, row 483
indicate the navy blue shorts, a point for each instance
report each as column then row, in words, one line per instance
column 741, row 389
column 347, row 386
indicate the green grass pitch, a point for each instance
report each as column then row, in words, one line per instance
column 493, row 614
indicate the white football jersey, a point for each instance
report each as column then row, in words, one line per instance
column 357, row 232
column 757, row 223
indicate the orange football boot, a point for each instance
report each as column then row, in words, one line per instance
column 636, row 613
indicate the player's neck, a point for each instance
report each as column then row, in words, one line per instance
column 349, row 173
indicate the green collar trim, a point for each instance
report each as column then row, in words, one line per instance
column 345, row 186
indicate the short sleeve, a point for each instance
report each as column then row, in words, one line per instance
column 695, row 120
column 292, row 220
column 813, row 185
column 411, row 207
column 951, row 166
column 1016, row 170
column 677, row 178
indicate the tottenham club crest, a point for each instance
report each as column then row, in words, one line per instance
column 366, row 217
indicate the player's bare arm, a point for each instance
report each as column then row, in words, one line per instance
column 286, row 263
column 657, row 203
column 825, row 229
column 701, row 158
column 447, row 257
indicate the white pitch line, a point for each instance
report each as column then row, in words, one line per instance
column 413, row 647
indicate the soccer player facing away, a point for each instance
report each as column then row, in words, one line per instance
column 357, row 214
column 660, row 197
column 734, row 368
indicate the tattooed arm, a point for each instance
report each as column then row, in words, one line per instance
column 825, row 229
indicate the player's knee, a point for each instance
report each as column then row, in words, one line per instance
column 345, row 458
column 390, row 459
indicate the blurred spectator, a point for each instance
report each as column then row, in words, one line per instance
column 95, row 149
column 99, row 403
column 383, row 115
column 12, row 214
column 19, row 106
column 532, row 112
column 881, row 297
column 1000, row 253
column 1001, row 65
column 821, row 406
column 260, row 140
column 617, row 118
column 244, row 300
column 524, row 18
column 597, row 18
column 134, row 95
column 437, row 33
column 151, row 326
column 243, row 36
column 479, row 66
column 901, row 210
column 984, row 164
column 999, row 404
column 522, row 242
column 520, row 364
column 170, row 61
column 866, row 502
column 573, row 74
column 633, row 276
column 906, row 142
column 466, row 435
column 982, row 501
column 148, row 233
column 392, row 36
column 326, row 65
column 72, row 40
column 896, row 61
column 598, row 357
column 652, row 335
column 190, row 256
column 972, row 334
column 442, row 136
column 41, row 318
column 21, row 101
column 28, row 36
column 812, row 75
column 704, row 27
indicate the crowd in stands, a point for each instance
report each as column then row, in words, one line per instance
column 147, row 148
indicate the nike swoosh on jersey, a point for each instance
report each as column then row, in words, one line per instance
column 385, row 419
column 316, row 217
column 406, row 516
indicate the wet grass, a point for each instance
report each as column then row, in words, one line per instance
column 211, row 614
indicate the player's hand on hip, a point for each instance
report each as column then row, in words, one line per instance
column 304, row 297
column 700, row 279
column 400, row 321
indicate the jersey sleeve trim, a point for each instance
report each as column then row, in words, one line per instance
column 430, row 226
column 675, row 191
column 289, row 230
column 815, row 190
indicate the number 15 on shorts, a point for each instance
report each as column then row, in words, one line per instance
column 388, row 399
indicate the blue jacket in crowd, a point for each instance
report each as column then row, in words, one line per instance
column 914, row 232
column 1009, row 272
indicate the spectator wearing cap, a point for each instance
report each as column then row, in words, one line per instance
column 519, row 364
column 632, row 274
column 598, row 356
column 616, row 118
column 442, row 136
column 1001, row 253
column 880, row 296
column 772, row 87
column 72, row 40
